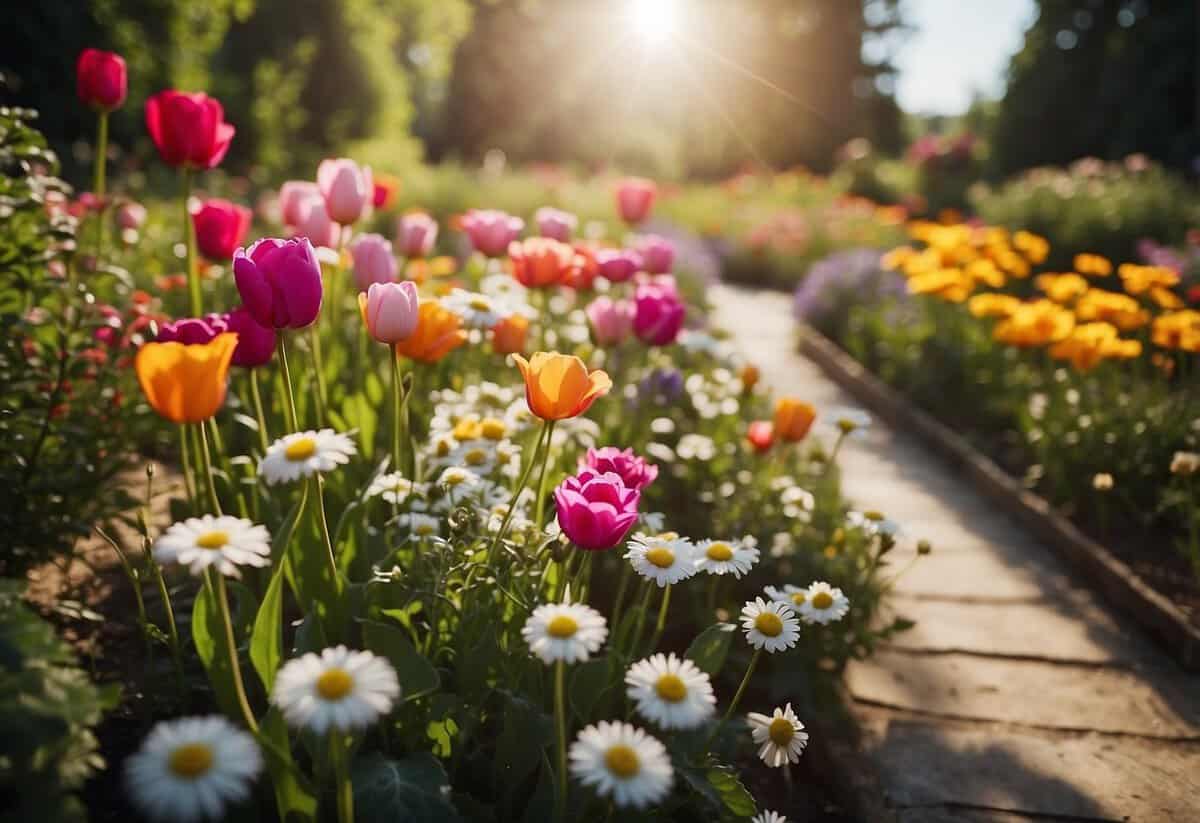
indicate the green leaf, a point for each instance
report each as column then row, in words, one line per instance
column 589, row 681
column 709, row 650
column 417, row 675
column 526, row 732
column 293, row 796
column 266, row 638
column 412, row 790
column 733, row 794
column 208, row 635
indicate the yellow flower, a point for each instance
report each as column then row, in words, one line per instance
column 1119, row 309
column 1140, row 279
column 990, row 304
column 559, row 386
column 897, row 257
column 1179, row 330
column 1061, row 288
column 793, row 418
column 186, row 383
column 1035, row 324
column 949, row 284
column 985, row 271
column 1034, row 247
column 1093, row 265
column 1165, row 298
column 1090, row 343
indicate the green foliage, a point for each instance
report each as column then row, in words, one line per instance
column 414, row 789
column 48, row 708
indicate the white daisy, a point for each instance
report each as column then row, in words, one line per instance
column 770, row 626
column 734, row 557
column 302, row 454
column 392, row 487
column 665, row 558
column 794, row 596
column 622, row 762
column 480, row 455
column 457, row 477
column 192, row 769
column 847, row 420
column 339, row 688
column 824, row 604
column 420, row 525
column 564, row 631
column 478, row 311
column 670, row 692
column 768, row 817
column 221, row 542
column 780, row 738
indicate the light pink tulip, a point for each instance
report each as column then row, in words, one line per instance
column 390, row 310
column 348, row 189
column 373, row 260
column 416, row 232
column 611, row 321
column 491, row 231
column 313, row 222
column 292, row 195
column 555, row 223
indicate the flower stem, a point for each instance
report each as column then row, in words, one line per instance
column 520, row 487
column 234, row 665
column 560, row 725
column 325, row 527
column 341, row 776
column 189, row 237
column 289, row 410
column 619, row 601
column 98, row 182
column 189, row 480
column 641, row 617
column 541, row 495
column 660, row 626
column 206, row 467
column 737, row 696
column 264, row 439
column 320, row 396
column 397, row 402
column 172, row 629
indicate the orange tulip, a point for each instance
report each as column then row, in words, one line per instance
column 439, row 331
column 538, row 262
column 186, row 383
column 793, row 418
column 558, row 386
column 508, row 336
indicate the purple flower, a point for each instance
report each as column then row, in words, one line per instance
column 256, row 342
column 596, row 510
column 658, row 314
column 192, row 330
column 662, row 387
column 618, row 265
column 636, row 472
column 280, row 282
column 555, row 223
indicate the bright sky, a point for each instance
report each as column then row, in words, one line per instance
column 958, row 47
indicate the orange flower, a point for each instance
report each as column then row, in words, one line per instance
column 540, row 261
column 559, row 386
column 991, row 304
column 1119, row 309
column 1061, row 288
column 186, row 383
column 793, row 418
column 439, row 331
column 1140, row 279
column 1093, row 264
column 508, row 336
column 1178, row 330
column 1034, row 247
column 749, row 376
column 1090, row 343
column 1035, row 324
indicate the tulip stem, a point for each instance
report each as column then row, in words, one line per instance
column 98, row 183
column 189, row 237
column 737, row 696
column 264, row 440
column 641, row 618
column 397, row 402
column 235, row 666
column 560, row 726
column 520, row 487
column 619, row 601
column 315, row 334
column 289, row 410
column 661, row 625
column 325, row 528
column 206, row 468
column 541, row 495
column 185, row 451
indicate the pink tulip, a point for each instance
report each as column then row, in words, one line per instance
column 611, row 321
column 256, row 342
column 658, row 254
column 635, row 198
column 292, row 195
column 314, row 223
column 280, row 282
column 658, row 316
column 101, row 79
column 635, row 472
column 416, row 233
column 189, row 130
column 390, row 310
column 373, row 260
column 596, row 511
column 555, row 223
column 221, row 228
column 491, row 231
column 618, row 265
column 131, row 215
column 192, row 330
column 348, row 190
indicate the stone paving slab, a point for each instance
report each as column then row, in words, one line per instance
column 1088, row 776
column 1030, row 693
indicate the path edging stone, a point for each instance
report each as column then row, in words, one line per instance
column 1108, row 573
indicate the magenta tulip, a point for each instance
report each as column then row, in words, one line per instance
column 292, row 195
column 416, row 232
column 596, row 511
column 101, row 79
column 373, row 260
column 611, row 320
column 391, row 310
column 256, row 342
column 491, row 231
column 314, row 223
column 635, row 198
column 280, row 282
column 192, row 330
column 555, row 223
column 221, row 228
column 348, row 189
column 658, row 254
column 658, row 315
column 618, row 265
column 635, row 472
column 188, row 130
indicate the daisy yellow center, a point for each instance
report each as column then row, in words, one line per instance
column 660, row 556
column 443, row 448
column 768, row 623
column 668, row 536
column 475, row 457
column 468, row 429
column 334, row 684
column 670, row 688
column 798, row 598
column 822, row 600
column 213, row 540
column 191, row 760
column 622, row 761
column 562, row 627
column 424, row 529
column 493, row 429
column 454, row 478
column 781, row 731
column 720, row 552
column 301, row 449
column 479, row 304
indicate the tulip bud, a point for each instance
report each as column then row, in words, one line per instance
column 658, row 254
column 658, row 316
column 188, row 130
column 635, row 198
column 555, row 224
column 390, row 310
column 280, row 282
column 508, row 336
column 491, row 231
column 315, row 224
column 416, row 233
column 347, row 189
column 373, row 260
column 101, row 79
column 221, row 228
column 611, row 321
column 292, row 196
column 618, row 265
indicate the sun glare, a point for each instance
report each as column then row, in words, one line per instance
column 653, row 20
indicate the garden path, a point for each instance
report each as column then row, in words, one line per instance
column 1018, row 696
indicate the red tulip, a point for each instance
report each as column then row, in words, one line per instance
column 635, row 198
column 101, row 79
column 761, row 435
column 188, row 129
column 221, row 227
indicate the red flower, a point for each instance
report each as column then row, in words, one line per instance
column 188, row 129
column 221, row 228
column 101, row 79
column 761, row 435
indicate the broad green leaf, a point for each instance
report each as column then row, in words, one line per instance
column 733, row 794
column 412, row 790
column 417, row 675
column 293, row 795
column 709, row 650
column 208, row 635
